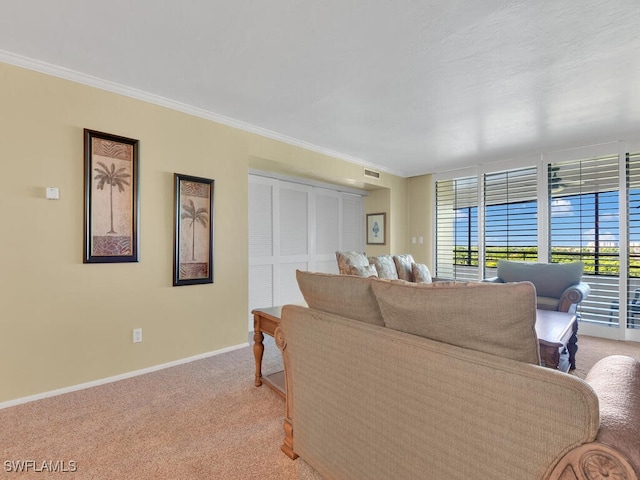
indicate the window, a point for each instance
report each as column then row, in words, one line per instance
column 633, row 240
column 457, row 228
column 511, row 217
column 584, row 225
column 587, row 208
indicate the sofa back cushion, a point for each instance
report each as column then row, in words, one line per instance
column 344, row 295
column 493, row 318
column 349, row 259
column 550, row 279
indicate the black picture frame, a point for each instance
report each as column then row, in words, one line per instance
column 193, row 230
column 111, row 198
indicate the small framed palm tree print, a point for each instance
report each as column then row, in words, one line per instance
column 112, row 206
column 193, row 230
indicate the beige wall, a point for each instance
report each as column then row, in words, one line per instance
column 421, row 221
column 63, row 322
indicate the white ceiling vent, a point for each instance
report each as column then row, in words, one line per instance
column 371, row 173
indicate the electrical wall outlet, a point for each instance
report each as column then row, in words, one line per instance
column 137, row 335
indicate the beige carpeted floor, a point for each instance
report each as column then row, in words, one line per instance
column 202, row 420
column 592, row 349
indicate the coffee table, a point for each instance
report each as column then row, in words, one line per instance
column 557, row 330
column 266, row 320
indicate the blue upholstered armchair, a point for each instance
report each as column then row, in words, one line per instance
column 559, row 286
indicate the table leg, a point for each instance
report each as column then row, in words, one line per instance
column 572, row 346
column 258, row 351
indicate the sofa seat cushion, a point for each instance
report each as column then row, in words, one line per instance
column 349, row 259
column 550, row 279
column 345, row 295
column 403, row 266
column 385, row 266
column 493, row 318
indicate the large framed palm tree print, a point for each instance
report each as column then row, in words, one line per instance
column 111, row 210
column 193, row 230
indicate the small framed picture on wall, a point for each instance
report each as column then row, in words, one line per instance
column 376, row 224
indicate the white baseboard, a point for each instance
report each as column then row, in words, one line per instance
column 123, row 376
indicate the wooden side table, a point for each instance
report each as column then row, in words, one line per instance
column 266, row 320
column 556, row 330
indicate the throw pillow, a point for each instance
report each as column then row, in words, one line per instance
column 421, row 273
column 343, row 295
column 347, row 259
column 493, row 318
column 403, row 265
column 385, row 266
column 368, row 271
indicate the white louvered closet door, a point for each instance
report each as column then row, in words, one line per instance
column 292, row 227
column 261, row 244
column 294, row 210
column 327, row 230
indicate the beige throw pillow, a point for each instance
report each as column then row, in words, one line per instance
column 494, row 318
column 421, row 273
column 385, row 266
column 368, row 271
column 403, row 265
column 348, row 259
column 343, row 295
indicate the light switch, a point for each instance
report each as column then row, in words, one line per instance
column 53, row 193
column 421, row 240
column 413, row 239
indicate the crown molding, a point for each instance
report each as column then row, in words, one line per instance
column 91, row 81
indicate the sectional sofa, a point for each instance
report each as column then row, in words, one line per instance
column 391, row 379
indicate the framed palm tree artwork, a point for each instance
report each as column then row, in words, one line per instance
column 193, row 230
column 111, row 209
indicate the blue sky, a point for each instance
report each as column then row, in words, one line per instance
column 573, row 222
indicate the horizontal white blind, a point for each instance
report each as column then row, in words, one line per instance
column 584, row 225
column 511, row 217
column 633, row 240
column 584, row 209
column 457, row 228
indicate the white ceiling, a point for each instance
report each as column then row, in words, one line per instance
column 407, row 86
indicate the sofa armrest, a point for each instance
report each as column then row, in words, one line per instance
column 493, row 280
column 573, row 295
column 615, row 452
column 616, row 381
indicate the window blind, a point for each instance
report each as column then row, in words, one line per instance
column 584, row 225
column 633, row 240
column 457, row 228
column 511, row 217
